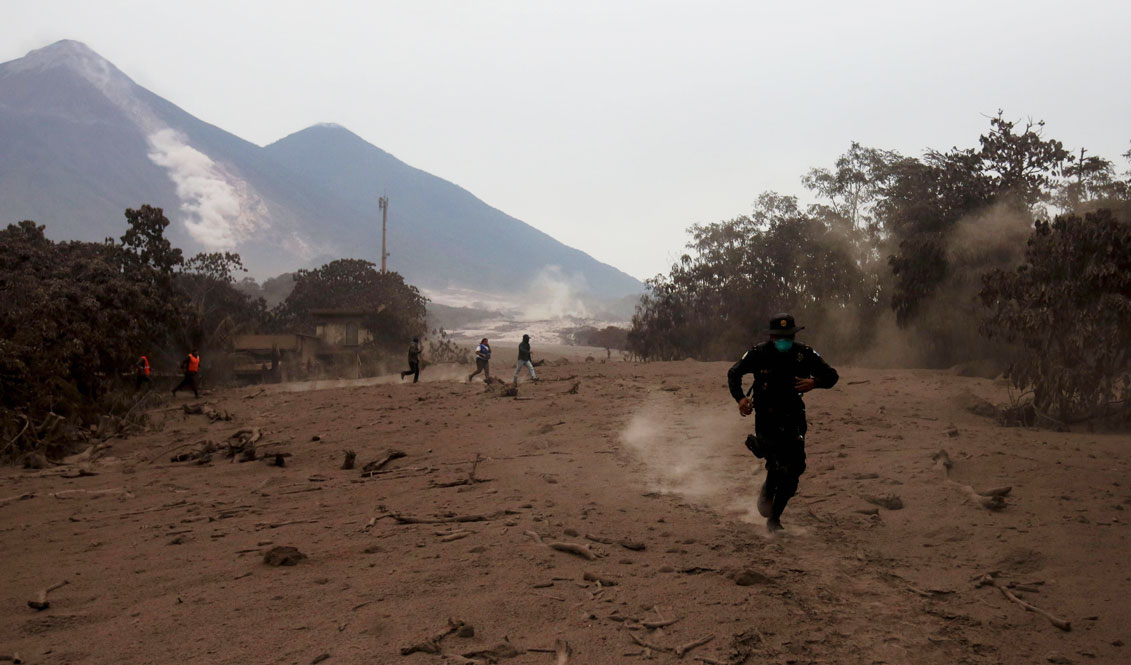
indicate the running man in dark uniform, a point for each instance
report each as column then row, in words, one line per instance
column 783, row 371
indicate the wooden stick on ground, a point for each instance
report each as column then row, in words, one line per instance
column 582, row 551
column 469, row 480
column 371, row 468
column 41, row 603
column 649, row 645
column 16, row 497
column 988, row 580
column 993, row 499
column 682, row 651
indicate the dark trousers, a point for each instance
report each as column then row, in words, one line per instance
column 413, row 369
column 188, row 382
column 781, row 441
column 481, row 365
column 141, row 380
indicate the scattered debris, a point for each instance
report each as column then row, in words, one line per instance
column 888, row 501
column 680, row 651
column 748, row 577
column 574, row 389
column 41, row 603
column 992, row 499
column 469, row 480
column 988, row 580
column 212, row 414
column 350, row 460
column 603, row 581
column 283, row 556
column 496, row 653
column 432, row 644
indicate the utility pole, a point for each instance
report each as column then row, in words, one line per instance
column 383, row 203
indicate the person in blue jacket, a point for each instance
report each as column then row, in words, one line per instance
column 482, row 361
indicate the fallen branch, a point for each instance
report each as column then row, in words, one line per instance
column 988, row 580
column 276, row 525
column 649, row 645
column 990, row 500
column 455, row 535
column 371, row 468
column 582, row 551
column 432, row 644
column 18, row 497
column 470, row 479
column 682, row 651
column 41, row 603
column 66, row 494
column 27, row 421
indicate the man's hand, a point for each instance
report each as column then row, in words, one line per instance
column 745, row 406
column 804, row 385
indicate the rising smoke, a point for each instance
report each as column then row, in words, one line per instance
column 221, row 210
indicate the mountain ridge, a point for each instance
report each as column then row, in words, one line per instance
column 88, row 142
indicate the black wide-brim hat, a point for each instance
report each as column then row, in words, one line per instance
column 783, row 324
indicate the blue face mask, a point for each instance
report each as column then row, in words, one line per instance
column 783, row 344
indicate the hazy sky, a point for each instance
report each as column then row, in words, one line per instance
column 613, row 126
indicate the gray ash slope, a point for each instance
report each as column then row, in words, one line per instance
column 82, row 142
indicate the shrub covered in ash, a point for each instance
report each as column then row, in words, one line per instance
column 609, row 337
column 77, row 316
column 447, row 351
column 1068, row 307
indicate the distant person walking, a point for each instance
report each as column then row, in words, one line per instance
column 783, row 370
column 141, row 373
column 414, row 351
column 524, row 360
column 190, row 366
column 482, row 361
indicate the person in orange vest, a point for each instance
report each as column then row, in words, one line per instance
column 141, row 372
column 190, row 366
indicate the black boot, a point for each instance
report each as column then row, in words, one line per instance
column 766, row 499
column 773, row 525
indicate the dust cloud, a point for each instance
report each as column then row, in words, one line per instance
column 697, row 453
column 554, row 295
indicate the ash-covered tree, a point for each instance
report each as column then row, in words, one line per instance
column 77, row 314
column 212, row 309
column 1068, row 307
column 741, row 271
column 394, row 310
column 924, row 200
